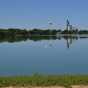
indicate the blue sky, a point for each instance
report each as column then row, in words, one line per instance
column 38, row 13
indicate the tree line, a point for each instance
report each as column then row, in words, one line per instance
column 17, row 35
column 11, row 32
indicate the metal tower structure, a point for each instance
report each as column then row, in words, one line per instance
column 67, row 24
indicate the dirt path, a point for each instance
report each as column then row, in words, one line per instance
column 76, row 86
column 35, row 87
column 79, row 86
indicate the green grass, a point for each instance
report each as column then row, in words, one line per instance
column 42, row 80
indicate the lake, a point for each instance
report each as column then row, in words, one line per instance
column 44, row 55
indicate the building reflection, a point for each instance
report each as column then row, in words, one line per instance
column 69, row 39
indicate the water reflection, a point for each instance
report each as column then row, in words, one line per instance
column 68, row 38
column 44, row 55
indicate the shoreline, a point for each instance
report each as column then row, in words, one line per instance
column 43, row 81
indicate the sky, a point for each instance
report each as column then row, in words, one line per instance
column 39, row 13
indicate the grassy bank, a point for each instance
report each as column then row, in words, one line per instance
column 40, row 80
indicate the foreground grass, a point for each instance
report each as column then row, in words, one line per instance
column 42, row 80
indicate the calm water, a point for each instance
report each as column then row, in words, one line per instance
column 44, row 56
